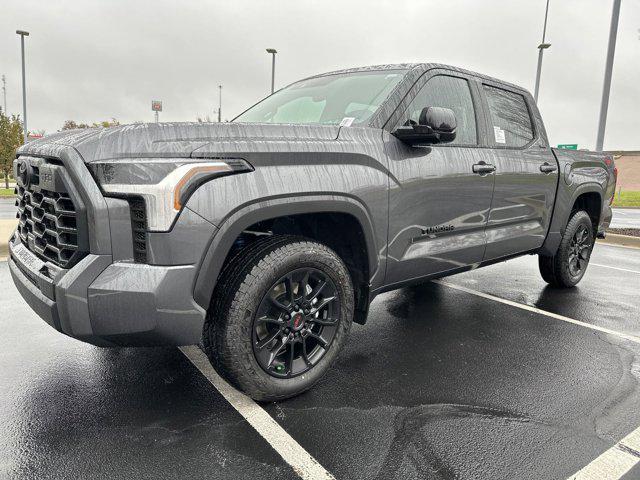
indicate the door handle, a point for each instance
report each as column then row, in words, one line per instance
column 546, row 168
column 483, row 168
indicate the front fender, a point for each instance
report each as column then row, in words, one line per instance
column 239, row 220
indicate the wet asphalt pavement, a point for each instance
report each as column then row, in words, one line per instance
column 440, row 384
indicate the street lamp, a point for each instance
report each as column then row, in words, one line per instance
column 23, row 34
column 541, row 48
column 273, row 52
column 4, row 93
column 611, row 50
column 220, row 104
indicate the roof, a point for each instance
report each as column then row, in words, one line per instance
column 419, row 68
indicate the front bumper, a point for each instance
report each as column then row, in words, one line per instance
column 106, row 298
column 110, row 304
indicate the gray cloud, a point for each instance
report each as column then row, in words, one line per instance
column 91, row 60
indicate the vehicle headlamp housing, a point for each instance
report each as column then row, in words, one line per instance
column 165, row 184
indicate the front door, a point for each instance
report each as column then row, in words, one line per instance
column 526, row 176
column 438, row 206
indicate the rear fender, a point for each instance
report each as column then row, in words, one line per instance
column 564, row 205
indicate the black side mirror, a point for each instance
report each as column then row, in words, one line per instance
column 435, row 125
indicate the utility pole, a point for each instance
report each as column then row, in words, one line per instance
column 23, row 34
column 4, row 93
column 541, row 48
column 611, row 50
column 273, row 52
column 220, row 103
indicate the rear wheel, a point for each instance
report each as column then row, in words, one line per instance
column 569, row 264
column 281, row 312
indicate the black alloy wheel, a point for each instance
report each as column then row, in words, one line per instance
column 280, row 314
column 579, row 250
column 567, row 266
column 295, row 323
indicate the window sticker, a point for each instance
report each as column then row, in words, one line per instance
column 347, row 121
column 499, row 134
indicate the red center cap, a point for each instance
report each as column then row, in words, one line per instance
column 297, row 321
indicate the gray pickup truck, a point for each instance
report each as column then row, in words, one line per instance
column 264, row 238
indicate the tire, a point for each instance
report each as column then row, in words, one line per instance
column 252, row 304
column 569, row 264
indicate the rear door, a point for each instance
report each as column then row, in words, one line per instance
column 438, row 205
column 526, row 175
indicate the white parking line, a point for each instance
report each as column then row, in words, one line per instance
column 291, row 451
column 615, row 462
column 523, row 306
column 624, row 455
column 614, row 268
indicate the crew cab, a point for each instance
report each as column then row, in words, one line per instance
column 266, row 237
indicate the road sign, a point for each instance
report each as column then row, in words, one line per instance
column 156, row 105
column 568, row 146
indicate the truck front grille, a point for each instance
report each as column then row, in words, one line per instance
column 48, row 221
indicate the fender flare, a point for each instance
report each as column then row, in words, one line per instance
column 239, row 220
column 561, row 214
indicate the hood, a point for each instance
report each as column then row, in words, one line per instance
column 182, row 139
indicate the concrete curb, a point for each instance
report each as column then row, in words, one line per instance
column 620, row 240
column 6, row 229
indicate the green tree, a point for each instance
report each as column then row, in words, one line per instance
column 72, row 124
column 10, row 140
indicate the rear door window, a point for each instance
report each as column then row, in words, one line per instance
column 510, row 120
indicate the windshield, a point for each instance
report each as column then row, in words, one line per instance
column 344, row 99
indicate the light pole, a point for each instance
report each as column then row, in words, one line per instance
column 23, row 34
column 611, row 50
column 4, row 93
column 220, row 104
column 541, row 48
column 273, row 52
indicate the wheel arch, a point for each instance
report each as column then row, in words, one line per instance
column 240, row 220
column 582, row 194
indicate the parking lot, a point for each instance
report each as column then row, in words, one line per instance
column 462, row 378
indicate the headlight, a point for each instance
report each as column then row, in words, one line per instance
column 164, row 184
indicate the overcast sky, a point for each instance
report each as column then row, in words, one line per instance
column 90, row 60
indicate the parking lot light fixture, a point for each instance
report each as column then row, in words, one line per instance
column 273, row 52
column 23, row 34
column 606, row 88
column 541, row 48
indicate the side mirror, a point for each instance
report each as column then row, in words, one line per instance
column 435, row 125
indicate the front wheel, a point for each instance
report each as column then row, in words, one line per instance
column 569, row 264
column 281, row 312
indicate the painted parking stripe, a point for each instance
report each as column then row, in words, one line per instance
column 614, row 268
column 624, row 455
column 529, row 308
column 291, row 451
column 615, row 462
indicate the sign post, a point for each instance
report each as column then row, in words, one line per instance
column 156, row 106
column 568, row 146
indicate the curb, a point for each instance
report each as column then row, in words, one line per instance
column 620, row 240
column 6, row 230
